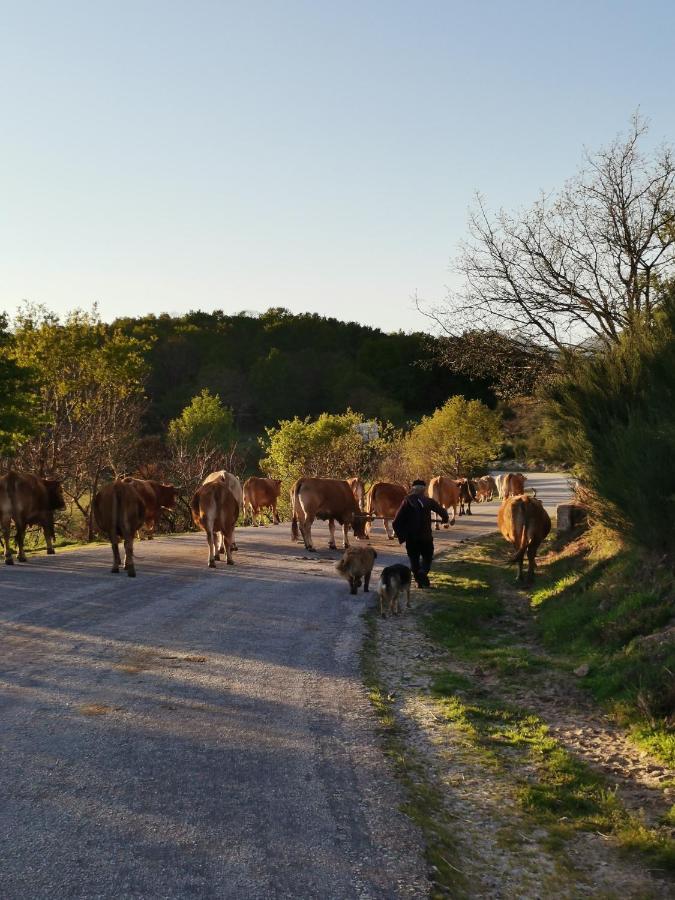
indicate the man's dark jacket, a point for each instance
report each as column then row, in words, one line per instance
column 413, row 519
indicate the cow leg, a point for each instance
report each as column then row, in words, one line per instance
column 20, row 536
column 454, row 516
column 275, row 514
column 531, row 553
column 331, row 530
column 233, row 544
column 438, row 524
column 49, row 534
column 228, row 549
column 366, row 583
column 389, row 529
column 306, row 531
column 353, row 584
column 129, row 555
column 6, row 525
column 345, row 536
column 211, row 540
column 117, row 559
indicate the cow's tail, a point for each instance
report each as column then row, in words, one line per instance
column 115, row 523
column 370, row 501
column 520, row 535
column 295, row 534
column 12, row 484
column 194, row 509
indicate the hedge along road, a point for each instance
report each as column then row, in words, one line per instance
column 196, row 732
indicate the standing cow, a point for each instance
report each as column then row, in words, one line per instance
column 260, row 494
column 467, row 494
column 215, row 510
column 524, row 522
column 445, row 491
column 327, row 499
column 486, row 488
column 28, row 500
column 384, row 500
column 234, row 485
column 119, row 512
column 514, row 484
column 156, row 496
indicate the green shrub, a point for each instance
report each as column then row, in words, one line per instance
column 615, row 411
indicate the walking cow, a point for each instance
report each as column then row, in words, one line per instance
column 524, row 522
column 119, row 512
column 215, row 510
column 28, row 500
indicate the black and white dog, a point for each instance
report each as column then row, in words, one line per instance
column 394, row 581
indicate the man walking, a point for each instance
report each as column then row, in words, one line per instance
column 412, row 525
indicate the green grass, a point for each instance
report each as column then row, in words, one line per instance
column 556, row 789
column 592, row 603
column 597, row 606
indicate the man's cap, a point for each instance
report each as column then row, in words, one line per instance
column 419, row 482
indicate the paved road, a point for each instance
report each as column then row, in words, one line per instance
column 197, row 733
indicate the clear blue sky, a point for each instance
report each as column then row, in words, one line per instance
column 160, row 156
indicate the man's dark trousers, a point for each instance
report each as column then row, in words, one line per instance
column 420, row 553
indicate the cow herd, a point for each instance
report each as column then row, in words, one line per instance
column 128, row 505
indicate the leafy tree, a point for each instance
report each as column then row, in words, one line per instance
column 326, row 447
column 18, row 417
column 204, row 420
column 89, row 397
column 458, row 439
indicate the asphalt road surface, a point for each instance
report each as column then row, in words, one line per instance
column 199, row 733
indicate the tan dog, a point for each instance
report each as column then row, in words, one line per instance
column 357, row 564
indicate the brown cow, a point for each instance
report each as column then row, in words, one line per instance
column 325, row 498
column 358, row 489
column 215, row 510
column 513, row 484
column 233, row 483
column 355, row 565
column 445, row 491
column 486, row 488
column 467, row 494
column 156, row 496
column 260, row 494
column 28, row 500
column 119, row 512
column 384, row 499
column 524, row 522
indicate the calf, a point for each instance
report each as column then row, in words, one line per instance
column 119, row 512
column 356, row 564
column 215, row 510
column 524, row 522
column 262, row 493
column 394, row 581
column 28, row 500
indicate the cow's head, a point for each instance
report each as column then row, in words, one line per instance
column 54, row 493
column 166, row 495
column 360, row 524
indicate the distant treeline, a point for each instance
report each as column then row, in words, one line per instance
column 278, row 365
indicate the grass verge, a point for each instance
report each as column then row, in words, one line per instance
column 424, row 804
column 572, row 609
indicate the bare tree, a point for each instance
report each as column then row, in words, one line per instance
column 583, row 264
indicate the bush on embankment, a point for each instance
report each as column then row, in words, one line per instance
column 615, row 411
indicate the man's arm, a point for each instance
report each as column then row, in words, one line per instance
column 439, row 510
column 400, row 523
